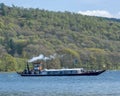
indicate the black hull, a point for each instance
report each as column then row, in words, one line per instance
column 78, row 74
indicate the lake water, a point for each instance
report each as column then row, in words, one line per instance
column 106, row 84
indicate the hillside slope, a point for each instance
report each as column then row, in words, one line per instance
column 82, row 41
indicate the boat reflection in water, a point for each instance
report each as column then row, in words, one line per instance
column 38, row 71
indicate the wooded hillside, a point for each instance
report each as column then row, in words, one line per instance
column 79, row 41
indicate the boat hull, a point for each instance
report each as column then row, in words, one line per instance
column 91, row 73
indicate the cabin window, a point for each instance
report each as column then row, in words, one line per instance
column 50, row 72
column 74, row 72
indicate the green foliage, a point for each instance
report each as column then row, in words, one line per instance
column 91, row 42
column 9, row 63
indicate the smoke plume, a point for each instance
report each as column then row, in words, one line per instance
column 42, row 57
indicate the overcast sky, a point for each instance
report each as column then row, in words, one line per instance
column 104, row 8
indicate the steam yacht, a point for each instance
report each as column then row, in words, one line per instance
column 38, row 71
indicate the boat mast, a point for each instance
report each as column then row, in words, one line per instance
column 28, row 69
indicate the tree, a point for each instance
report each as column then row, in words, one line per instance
column 9, row 63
